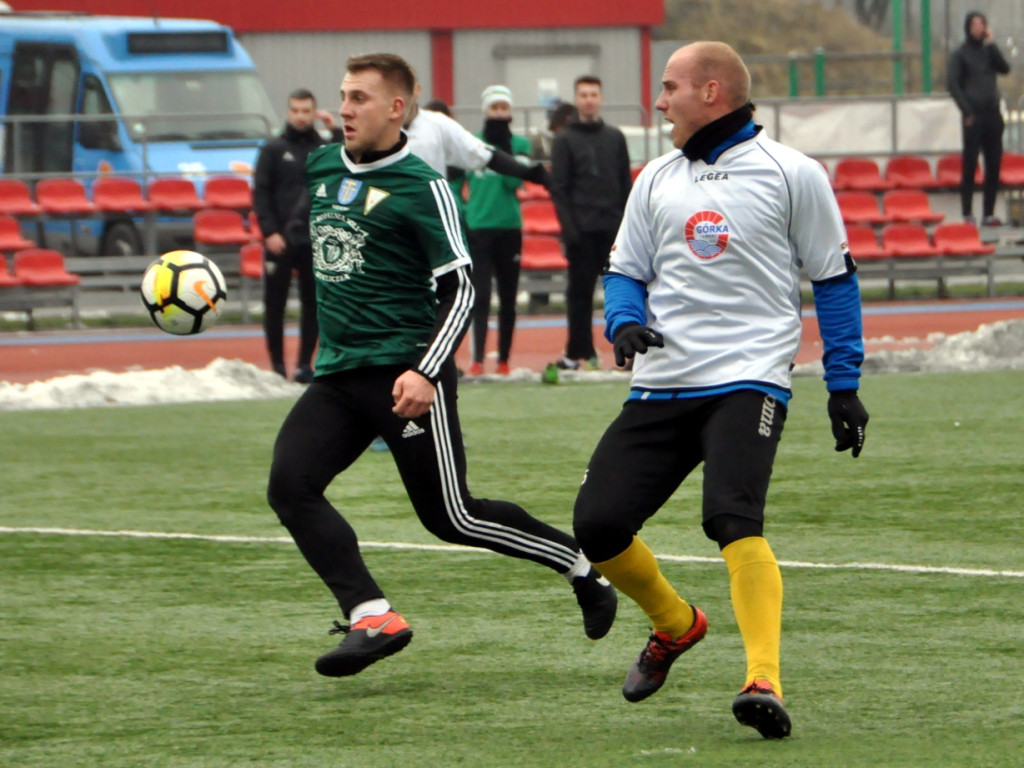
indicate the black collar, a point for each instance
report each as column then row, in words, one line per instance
column 374, row 155
column 700, row 145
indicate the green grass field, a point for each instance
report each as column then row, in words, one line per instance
column 141, row 651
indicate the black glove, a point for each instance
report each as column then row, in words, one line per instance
column 634, row 339
column 538, row 174
column 849, row 418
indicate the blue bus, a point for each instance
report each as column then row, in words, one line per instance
column 86, row 95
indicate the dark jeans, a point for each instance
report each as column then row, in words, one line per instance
column 587, row 259
column 985, row 135
column 495, row 255
column 277, row 280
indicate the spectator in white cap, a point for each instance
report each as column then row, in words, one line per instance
column 495, row 230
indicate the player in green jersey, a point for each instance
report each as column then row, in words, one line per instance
column 393, row 301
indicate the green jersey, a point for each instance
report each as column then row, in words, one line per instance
column 383, row 232
column 492, row 197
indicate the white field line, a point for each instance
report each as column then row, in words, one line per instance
column 893, row 567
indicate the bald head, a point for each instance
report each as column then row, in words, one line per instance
column 713, row 61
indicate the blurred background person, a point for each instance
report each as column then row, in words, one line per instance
column 495, row 231
column 279, row 184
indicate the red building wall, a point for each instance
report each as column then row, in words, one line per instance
column 332, row 15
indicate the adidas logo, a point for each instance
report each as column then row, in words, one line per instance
column 411, row 430
column 321, row 191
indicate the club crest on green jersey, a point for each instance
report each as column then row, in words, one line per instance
column 337, row 247
column 348, row 190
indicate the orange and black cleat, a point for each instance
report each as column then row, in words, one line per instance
column 647, row 674
column 760, row 707
column 367, row 641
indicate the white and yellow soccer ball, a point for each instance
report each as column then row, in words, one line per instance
column 183, row 292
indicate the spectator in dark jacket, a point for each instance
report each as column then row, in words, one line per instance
column 278, row 186
column 590, row 182
column 972, row 84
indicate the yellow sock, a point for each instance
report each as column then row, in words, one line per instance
column 756, row 587
column 635, row 573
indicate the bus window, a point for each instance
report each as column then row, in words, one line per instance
column 97, row 134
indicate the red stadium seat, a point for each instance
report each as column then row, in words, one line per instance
column 16, row 200
column 174, row 195
column 43, row 266
column 10, row 235
column 863, row 243
column 228, row 192
column 910, row 172
column 861, row 208
column 1011, row 170
column 960, row 239
column 908, row 240
column 853, row 173
column 908, row 205
column 254, row 226
column 539, row 218
column 532, row 191
column 63, row 197
column 119, row 195
column 6, row 278
column 542, row 252
column 949, row 169
column 251, row 260
column 216, row 226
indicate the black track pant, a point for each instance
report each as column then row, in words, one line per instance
column 277, row 281
column 985, row 135
column 495, row 255
column 587, row 259
column 331, row 425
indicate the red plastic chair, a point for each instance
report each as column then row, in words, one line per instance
column 10, row 235
column 174, row 195
column 43, row 266
column 910, row 172
column 863, row 243
column 6, row 278
column 908, row 240
column 251, row 260
column 119, row 195
column 531, row 191
column 960, row 239
column 16, row 200
column 542, row 253
column 949, row 169
column 634, row 172
column 539, row 218
column 215, row 226
column 63, row 197
column 1011, row 171
column 228, row 192
column 907, row 205
column 254, row 226
column 854, row 173
column 861, row 208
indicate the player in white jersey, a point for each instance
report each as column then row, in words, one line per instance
column 703, row 289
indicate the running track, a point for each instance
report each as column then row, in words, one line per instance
column 27, row 356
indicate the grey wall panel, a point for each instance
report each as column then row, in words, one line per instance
column 545, row 63
column 317, row 60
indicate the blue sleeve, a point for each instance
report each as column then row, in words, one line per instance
column 625, row 301
column 837, row 303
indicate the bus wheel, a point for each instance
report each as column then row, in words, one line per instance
column 122, row 240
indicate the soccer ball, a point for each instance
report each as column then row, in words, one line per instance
column 183, row 292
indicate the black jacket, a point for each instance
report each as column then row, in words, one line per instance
column 280, row 178
column 972, row 73
column 590, row 179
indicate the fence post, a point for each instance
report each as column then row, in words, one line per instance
column 794, row 75
column 819, row 72
column 897, row 46
column 926, row 46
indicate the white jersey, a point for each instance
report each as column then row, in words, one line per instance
column 719, row 248
column 440, row 141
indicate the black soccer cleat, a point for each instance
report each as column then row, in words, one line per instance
column 762, row 709
column 598, row 600
column 647, row 674
column 367, row 641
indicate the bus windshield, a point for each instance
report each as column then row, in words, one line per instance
column 194, row 106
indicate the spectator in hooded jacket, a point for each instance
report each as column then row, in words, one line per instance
column 972, row 84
